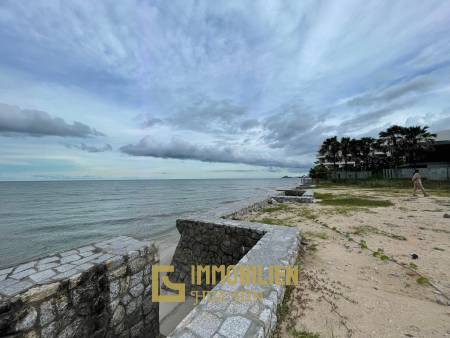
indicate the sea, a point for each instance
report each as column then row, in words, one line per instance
column 40, row 218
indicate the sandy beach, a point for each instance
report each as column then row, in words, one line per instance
column 378, row 269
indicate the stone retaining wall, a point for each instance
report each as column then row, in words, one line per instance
column 212, row 238
column 100, row 290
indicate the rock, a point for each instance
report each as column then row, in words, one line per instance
column 47, row 314
column 118, row 315
column 28, row 321
column 235, row 327
column 414, row 256
column 446, row 215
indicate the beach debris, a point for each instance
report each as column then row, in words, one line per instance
column 446, row 215
column 414, row 256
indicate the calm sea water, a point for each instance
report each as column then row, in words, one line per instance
column 40, row 218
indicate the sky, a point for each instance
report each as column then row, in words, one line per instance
column 209, row 89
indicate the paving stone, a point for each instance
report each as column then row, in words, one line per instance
column 68, row 259
column 205, row 324
column 87, row 259
column 85, row 249
column 5, row 271
column 66, row 274
column 23, row 267
column 42, row 276
column 65, row 267
column 46, row 266
column 14, row 289
column 235, row 327
column 48, row 260
column 85, row 266
column 23, row 274
column 86, row 253
column 69, row 253
column 102, row 258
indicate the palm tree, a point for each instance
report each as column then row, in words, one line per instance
column 330, row 149
column 417, row 140
column 390, row 142
column 356, row 152
column 368, row 146
column 345, row 150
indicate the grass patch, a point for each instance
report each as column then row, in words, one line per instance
column 380, row 254
column 413, row 266
column 397, row 184
column 351, row 201
column 276, row 208
column 422, row 281
column 438, row 249
column 303, row 334
column 366, row 229
column 273, row 221
column 363, row 244
column 306, row 212
column 316, row 234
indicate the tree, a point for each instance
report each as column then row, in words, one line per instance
column 367, row 150
column 390, row 143
column 318, row 172
column 417, row 140
column 330, row 150
column 345, row 150
column 356, row 152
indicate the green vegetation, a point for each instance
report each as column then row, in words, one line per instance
column 306, row 212
column 316, row 234
column 413, row 266
column 363, row 244
column 277, row 207
column 273, row 221
column 391, row 186
column 351, row 201
column 365, row 229
column 438, row 249
column 380, row 254
column 422, row 281
column 395, row 146
column 303, row 334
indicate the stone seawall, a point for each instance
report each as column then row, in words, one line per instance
column 238, row 243
column 100, row 290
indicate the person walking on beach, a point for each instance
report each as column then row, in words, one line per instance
column 417, row 181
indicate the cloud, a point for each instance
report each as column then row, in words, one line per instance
column 90, row 148
column 182, row 150
column 206, row 115
column 17, row 121
column 242, row 81
column 417, row 85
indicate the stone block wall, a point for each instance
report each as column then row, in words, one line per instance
column 100, row 290
column 209, row 243
column 215, row 237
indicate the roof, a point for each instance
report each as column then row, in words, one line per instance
column 443, row 135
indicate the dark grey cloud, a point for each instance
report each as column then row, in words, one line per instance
column 17, row 121
column 295, row 128
column 371, row 117
column 178, row 149
column 207, row 115
column 417, row 85
column 90, row 148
